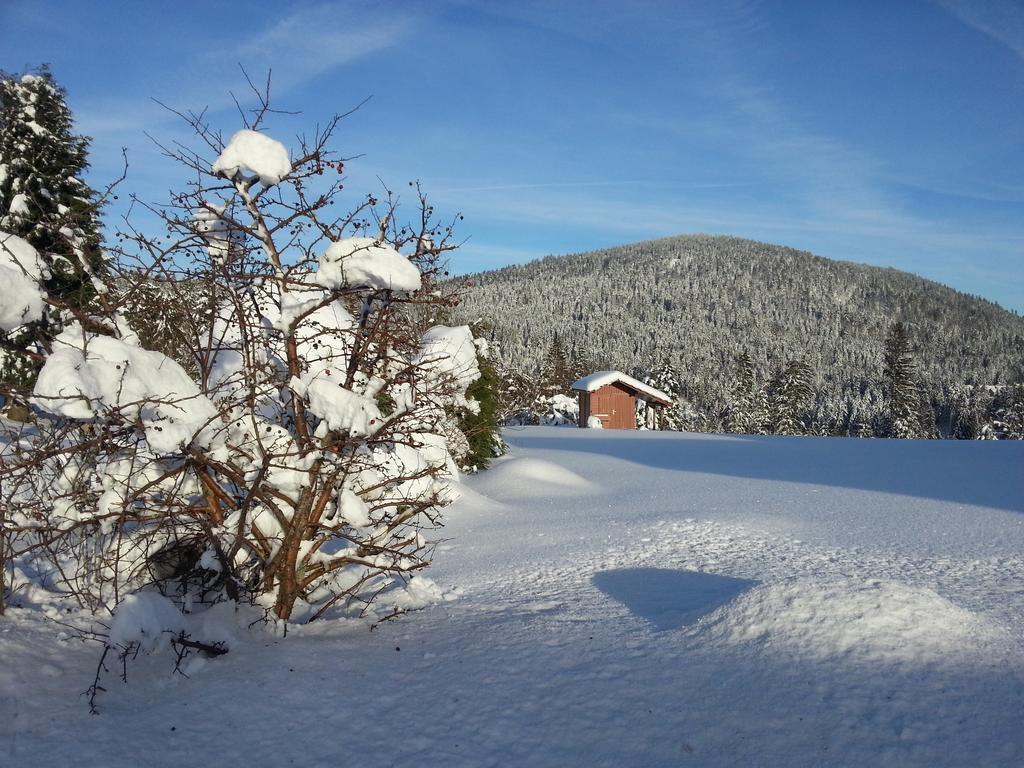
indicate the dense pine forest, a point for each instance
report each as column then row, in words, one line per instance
column 752, row 337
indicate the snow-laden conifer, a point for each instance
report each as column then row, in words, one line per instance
column 790, row 396
column 904, row 417
column 45, row 201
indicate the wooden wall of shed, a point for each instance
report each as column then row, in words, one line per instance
column 615, row 405
column 584, row 417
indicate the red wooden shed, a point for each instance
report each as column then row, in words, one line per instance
column 610, row 397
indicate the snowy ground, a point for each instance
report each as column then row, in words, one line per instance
column 623, row 599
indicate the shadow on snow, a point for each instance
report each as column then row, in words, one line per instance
column 981, row 473
column 668, row 599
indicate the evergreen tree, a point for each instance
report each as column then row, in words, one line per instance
column 1007, row 421
column 482, row 425
column 791, row 395
column 681, row 414
column 745, row 416
column 926, row 426
column 904, row 418
column 44, row 200
column 555, row 372
column 581, row 364
column 966, row 407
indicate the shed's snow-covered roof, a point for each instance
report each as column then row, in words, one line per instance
column 602, row 378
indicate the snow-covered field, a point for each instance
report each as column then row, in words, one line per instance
column 619, row 599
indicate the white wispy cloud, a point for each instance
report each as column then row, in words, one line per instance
column 464, row 187
column 299, row 47
column 317, row 40
column 826, row 186
column 1002, row 20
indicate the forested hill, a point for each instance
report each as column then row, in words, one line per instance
column 698, row 301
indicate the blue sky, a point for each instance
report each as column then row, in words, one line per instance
column 890, row 133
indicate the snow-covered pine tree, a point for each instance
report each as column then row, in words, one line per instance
column 746, row 415
column 1012, row 417
column 581, row 364
column 904, row 417
column 926, row 424
column 555, row 371
column 790, row 396
column 965, row 411
column 644, row 420
column 543, row 398
column 44, row 200
column 1007, row 419
column 856, row 417
column 681, row 416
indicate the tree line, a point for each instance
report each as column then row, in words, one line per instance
column 762, row 338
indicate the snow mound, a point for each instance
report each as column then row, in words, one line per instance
column 152, row 621
column 258, row 154
column 859, row 620
column 525, row 477
column 363, row 262
column 146, row 618
column 418, row 592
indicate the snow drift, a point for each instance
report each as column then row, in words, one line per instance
column 850, row 619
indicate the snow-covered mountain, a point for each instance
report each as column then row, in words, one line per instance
column 697, row 301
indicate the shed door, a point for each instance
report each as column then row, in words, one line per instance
column 615, row 406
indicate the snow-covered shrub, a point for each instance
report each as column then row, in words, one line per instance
column 544, row 395
column 517, row 396
column 296, row 451
column 525, row 404
column 559, row 410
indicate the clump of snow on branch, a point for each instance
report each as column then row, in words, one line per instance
column 449, row 356
column 19, row 205
column 214, row 229
column 90, row 376
column 252, row 152
column 21, row 270
column 365, row 262
column 448, row 361
column 340, row 408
